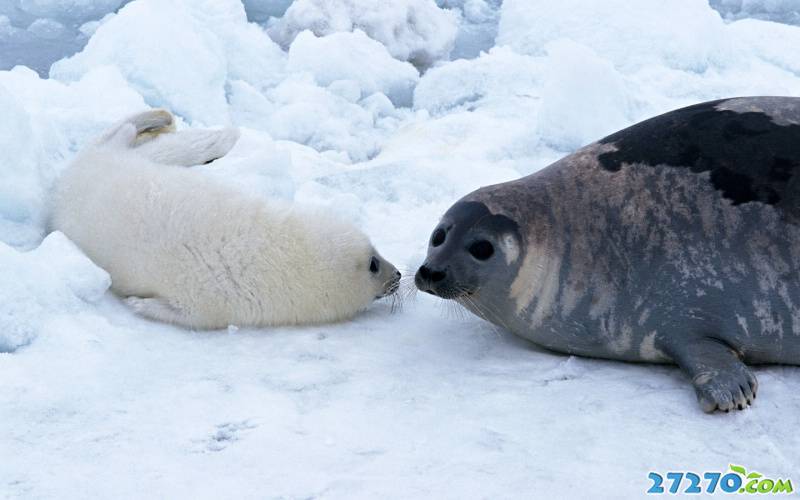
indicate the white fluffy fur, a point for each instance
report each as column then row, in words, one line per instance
column 188, row 250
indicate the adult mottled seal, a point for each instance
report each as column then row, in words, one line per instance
column 185, row 249
column 674, row 240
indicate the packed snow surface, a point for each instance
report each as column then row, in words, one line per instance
column 386, row 113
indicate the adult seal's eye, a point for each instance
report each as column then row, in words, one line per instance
column 481, row 250
column 374, row 265
column 438, row 237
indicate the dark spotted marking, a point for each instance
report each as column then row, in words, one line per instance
column 749, row 156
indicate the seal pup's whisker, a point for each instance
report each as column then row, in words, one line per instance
column 397, row 302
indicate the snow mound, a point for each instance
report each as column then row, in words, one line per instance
column 768, row 41
column 529, row 106
column 311, row 115
column 680, row 34
column 331, row 120
column 610, row 64
column 144, row 38
column 499, row 74
column 417, row 31
column 353, row 57
column 583, row 97
column 55, row 278
column 249, row 52
column 256, row 166
column 202, row 43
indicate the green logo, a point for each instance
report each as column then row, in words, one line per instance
column 755, row 482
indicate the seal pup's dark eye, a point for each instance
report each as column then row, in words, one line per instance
column 374, row 265
column 438, row 237
column 481, row 250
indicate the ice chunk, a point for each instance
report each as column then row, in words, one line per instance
column 248, row 106
column 255, row 166
column 6, row 29
column 477, row 28
column 53, row 279
column 21, row 193
column 781, row 11
column 353, row 56
column 769, row 41
column 90, row 27
column 325, row 119
column 44, row 123
column 250, row 53
column 499, row 74
column 349, row 90
column 583, row 99
column 165, row 54
column 417, row 31
column 261, row 10
column 180, row 54
column 47, row 29
column 67, row 115
column 379, row 105
column 681, row 34
column 311, row 115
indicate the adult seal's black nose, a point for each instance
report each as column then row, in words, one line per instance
column 424, row 273
column 427, row 276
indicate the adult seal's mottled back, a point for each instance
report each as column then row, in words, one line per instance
column 674, row 240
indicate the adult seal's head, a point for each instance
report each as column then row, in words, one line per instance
column 471, row 251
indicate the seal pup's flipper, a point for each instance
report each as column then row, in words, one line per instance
column 190, row 147
column 158, row 309
column 720, row 378
column 138, row 129
column 152, row 135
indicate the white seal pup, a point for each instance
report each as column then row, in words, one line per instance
column 186, row 249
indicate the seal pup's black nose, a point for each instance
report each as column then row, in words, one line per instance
column 394, row 283
column 391, row 286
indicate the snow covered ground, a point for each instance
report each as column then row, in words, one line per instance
column 386, row 112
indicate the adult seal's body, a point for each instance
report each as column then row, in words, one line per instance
column 674, row 240
column 185, row 249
